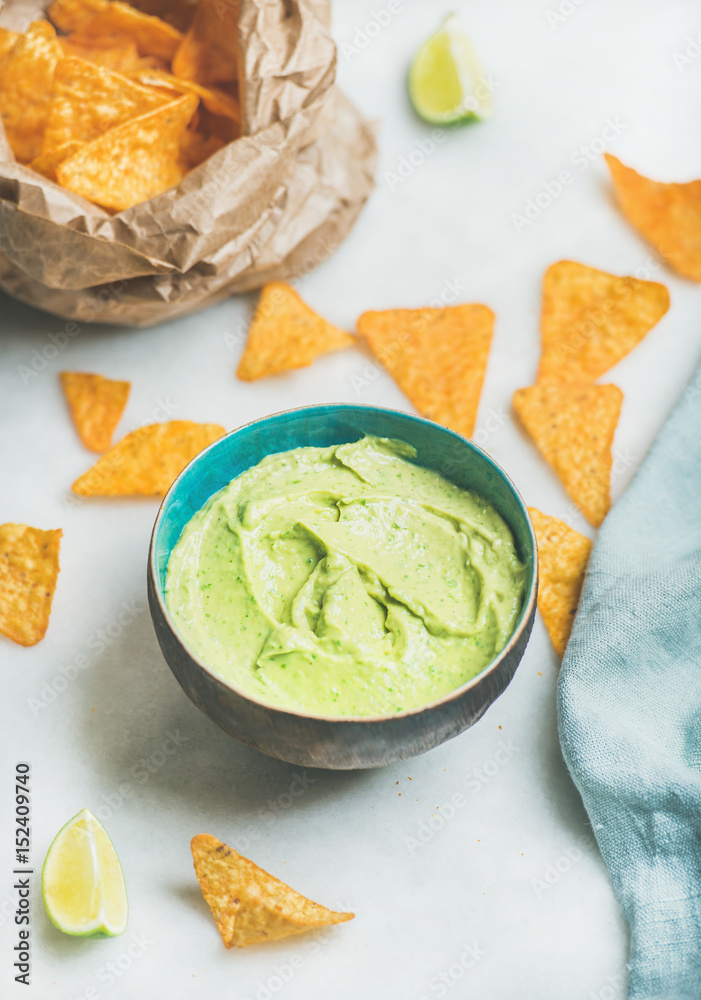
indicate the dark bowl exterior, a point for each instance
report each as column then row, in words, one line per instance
column 335, row 742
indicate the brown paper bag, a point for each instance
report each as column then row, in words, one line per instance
column 272, row 204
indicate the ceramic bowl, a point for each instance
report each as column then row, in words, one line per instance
column 327, row 741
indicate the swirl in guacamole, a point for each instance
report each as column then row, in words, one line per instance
column 345, row 581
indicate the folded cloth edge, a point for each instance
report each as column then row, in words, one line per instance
column 629, row 706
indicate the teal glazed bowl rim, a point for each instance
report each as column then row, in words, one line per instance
column 325, row 740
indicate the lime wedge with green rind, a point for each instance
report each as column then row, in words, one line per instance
column 82, row 881
column 446, row 82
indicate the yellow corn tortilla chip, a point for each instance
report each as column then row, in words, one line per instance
column 208, row 53
column 88, row 100
column 7, row 40
column 285, row 333
column 563, row 555
column 75, row 15
column 152, row 36
column 134, row 161
column 217, row 126
column 249, row 905
column 195, row 147
column 437, row 357
column 573, row 426
column 28, row 571
column 96, row 404
column 114, row 52
column 591, row 319
column 46, row 163
column 667, row 215
column 215, row 100
column 147, row 461
column 26, row 79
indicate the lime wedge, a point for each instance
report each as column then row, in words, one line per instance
column 446, row 83
column 82, row 881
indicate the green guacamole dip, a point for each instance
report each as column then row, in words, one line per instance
column 345, row 581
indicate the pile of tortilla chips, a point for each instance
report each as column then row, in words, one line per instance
column 120, row 105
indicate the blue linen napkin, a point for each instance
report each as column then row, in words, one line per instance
column 629, row 707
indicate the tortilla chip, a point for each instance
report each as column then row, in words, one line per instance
column 147, row 461
column 26, row 79
column 573, row 427
column 96, row 405
column 437, row 357
column 217, row 126
column 195, row 147
column 47, row 163
column 7, row 40
column 89, row 100
column 215, row 100
column 249, row 905
column 563, row 555
column 285, row 333
column 208, row 52
column 591, row 319
column 114, row 52
column 667, row 215
column 28, row 571
column 152, row 36
column 133, row 162
column 175, row 12
column 75, row 15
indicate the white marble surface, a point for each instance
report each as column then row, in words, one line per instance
column 477, row 882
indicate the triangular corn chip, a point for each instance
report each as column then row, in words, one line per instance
column 88, row 100
column 249, row 905
column 214, row 99
column 134, row 161
column 7, row 40
column 591, row 319
column 209, row 51
column 667, row 215
column 285, row 333
column 563, row 555
column 437, row 357
column 573, row 426
column 47, row 163
column 75, row 15
column 28, row 571
column 147, row 461
column 114, row 52
column 26, row 78
column 153, row 37
column 96, row 404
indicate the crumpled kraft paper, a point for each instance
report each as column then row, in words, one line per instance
column 270, row 205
